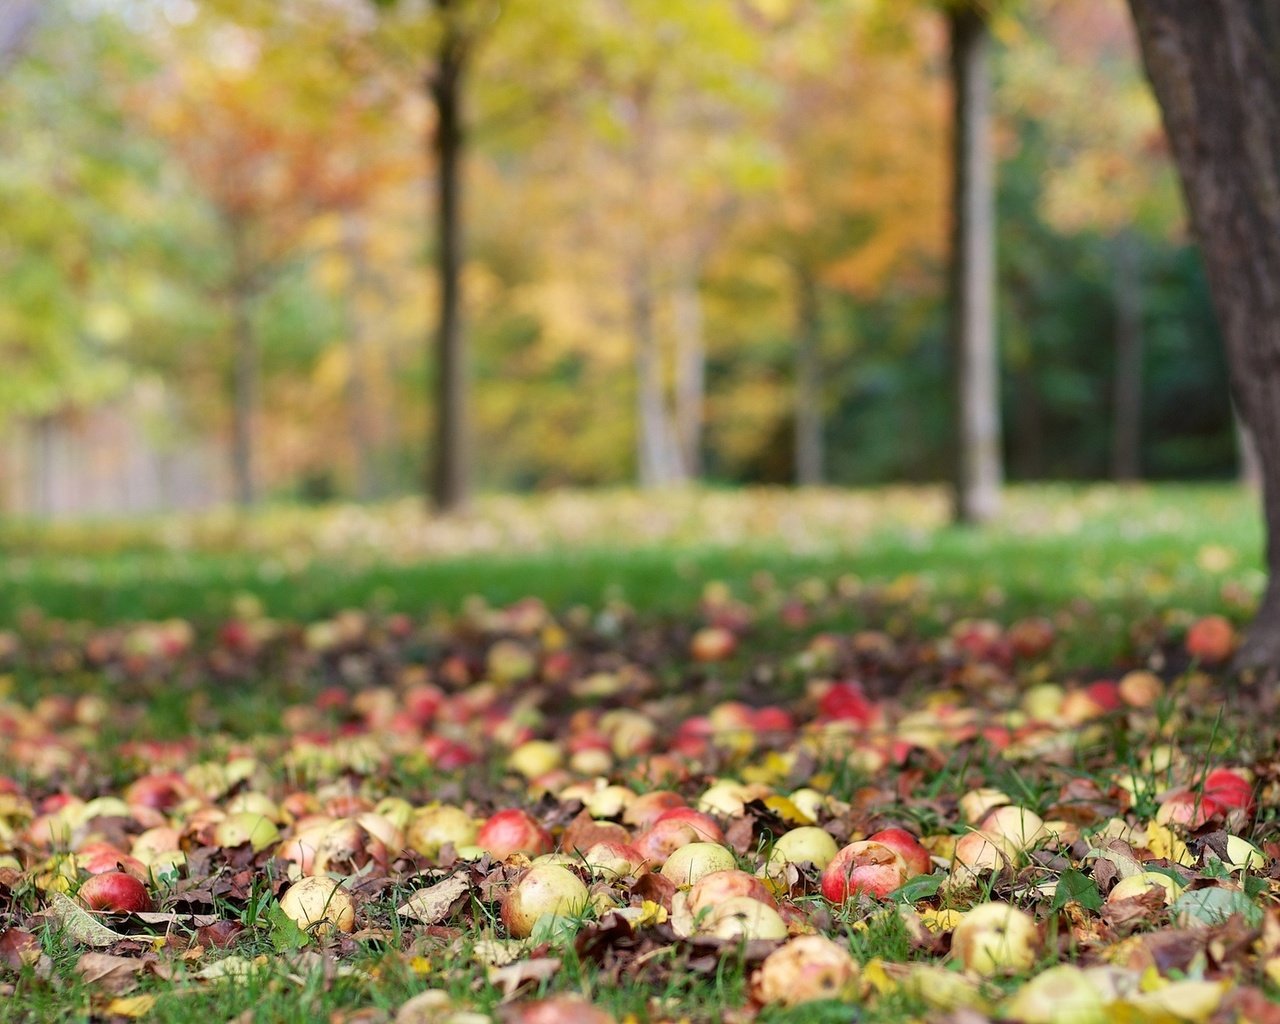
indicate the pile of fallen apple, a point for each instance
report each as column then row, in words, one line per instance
column 1136, row 890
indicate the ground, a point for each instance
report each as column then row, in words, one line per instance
column 223, row 708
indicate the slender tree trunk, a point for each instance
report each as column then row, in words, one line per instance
column 1126, row 452
column 654, row 444
column 1215, row 66
column 244, row 399
column 691, row 372
column 449, row 473
column 358, row 410
column 808, row 383
column 978, row 467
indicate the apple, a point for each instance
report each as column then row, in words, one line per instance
column 848, row 702
column 1185, row 807
column 115, row 892
column 1229, row 789
column 513, row 831
column 711, row 644
column 1021, row 827
column 614, row 860
column 319, row 905
column 543, row 890
column 978, row 853
column 741, row 917
column 1031, row 638
column 1142, row 883
column 907, row 847
column 647, row 808
column 246, row 827
column 1064, row 994
column 864, row 867
column 1211, row 640
column 977, row 803
column 994, row 937
column 806, row 969
column 1141, row 689
column 535, row 758
column 711, row 890
column 552, row 1010
column 669, row 834
column 807, row 844
column 694, row 861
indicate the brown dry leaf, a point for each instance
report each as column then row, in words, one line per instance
column 498, row 952
column 18, row 948
column 115, row 974
column 434, row 903
column 79, row 924
column 523, row 972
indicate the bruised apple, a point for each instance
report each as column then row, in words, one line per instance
column 806, row 969
column 864, row 867
column 711, row 890
column 907, row 847
column 319, row 904
column 694, row 861
column 741, row 917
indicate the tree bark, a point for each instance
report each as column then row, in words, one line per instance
column 1215, row 67
column 808, row 384
column 655, row 447
column 1126, row 452
column 449, row 471
column 691, row 372
column 978, row 472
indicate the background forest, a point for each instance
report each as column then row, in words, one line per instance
column 702, row 240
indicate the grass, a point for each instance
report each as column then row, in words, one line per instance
column 1101, row 561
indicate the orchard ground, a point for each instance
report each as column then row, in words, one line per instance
column 344, row 670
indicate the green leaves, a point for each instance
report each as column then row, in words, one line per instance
column 1076, row 887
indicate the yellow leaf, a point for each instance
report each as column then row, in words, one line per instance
column 939, row 921
column 420, row 966
column 1163, row 843
column 131, row 1006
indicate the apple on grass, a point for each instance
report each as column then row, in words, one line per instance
column 993, row 938
column 806, row 969
column 116, row 893
column 544, row 890
column 318, row 905
column 864, row 867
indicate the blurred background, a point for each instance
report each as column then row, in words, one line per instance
column 702, row 240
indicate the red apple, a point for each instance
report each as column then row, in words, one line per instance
column 116, row 893
column 713, row 889
column 907, row 847
column 513, row 831
column 864, row 866
column 1211, row 639
column 1228, row 789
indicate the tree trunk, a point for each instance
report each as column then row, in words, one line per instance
column 808, row 383
column 1215, row 66
column 358, row 410
column 244, row 399
column 449, row 476
column 1126, row 452
column 18, row 20
column 1249, row 470
column 691, row 372
column 978, row 472
column 654, row 445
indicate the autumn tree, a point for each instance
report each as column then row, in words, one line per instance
column 1215, row 67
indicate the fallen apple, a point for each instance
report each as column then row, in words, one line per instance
column 542, row 891
column 994, row 937
column 116, row 893
column 694, row 861
column 318, row 905
column 864, row 867
column 806, row 969
column 513, row 831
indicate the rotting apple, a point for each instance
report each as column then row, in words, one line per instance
column 318, row 905
column 907, row 847
column 806, row 969
column 864, row 867
column 513, row 831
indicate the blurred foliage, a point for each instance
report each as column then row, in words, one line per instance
column 161, row 156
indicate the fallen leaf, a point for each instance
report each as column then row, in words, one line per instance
column 79, row 924
column 523, row 972
column 115, row 974
column 433, row 904
column 132, row 1007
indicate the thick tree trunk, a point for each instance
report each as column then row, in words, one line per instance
column 449, row 472
column 1126, row 451
column 808, row 383
column 978, row 472
column 691, row 372
column 1215, row 66
column 244, row 399
column 358, row 411
column 1249, row 469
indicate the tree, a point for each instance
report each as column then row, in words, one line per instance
column 972, row 269
column 1215, row 68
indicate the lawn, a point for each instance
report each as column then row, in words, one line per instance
column 201, row 720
